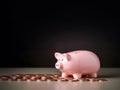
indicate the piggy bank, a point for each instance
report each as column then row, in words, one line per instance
column 77, row 63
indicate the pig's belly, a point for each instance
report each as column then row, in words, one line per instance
column 81, row 71
column 82, row 67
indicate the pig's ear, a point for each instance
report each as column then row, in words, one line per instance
column 57, row 55
column 67, row 56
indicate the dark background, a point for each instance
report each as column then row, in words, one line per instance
column 39, row 29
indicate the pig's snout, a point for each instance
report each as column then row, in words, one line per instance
column 58, row 65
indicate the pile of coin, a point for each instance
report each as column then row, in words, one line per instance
column 46, row 77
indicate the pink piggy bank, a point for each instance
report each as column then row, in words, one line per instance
column 77, row 63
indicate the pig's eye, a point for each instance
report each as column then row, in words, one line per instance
column 62, row 59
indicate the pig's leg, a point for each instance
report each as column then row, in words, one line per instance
column 94, row 75
column 77, row 76
column 64, row 75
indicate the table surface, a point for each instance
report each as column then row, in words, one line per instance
column 111, row 74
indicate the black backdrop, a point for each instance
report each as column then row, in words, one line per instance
column 40, row 29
